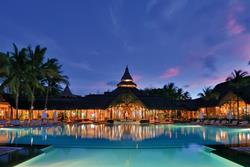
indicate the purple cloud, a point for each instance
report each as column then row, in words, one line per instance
column 171, row 72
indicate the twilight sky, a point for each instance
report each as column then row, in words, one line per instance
column 194, row 43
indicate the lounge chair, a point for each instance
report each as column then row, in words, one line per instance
column 15, row 123
column 217, row 122
column 197, row 122
column 234, row 123
column 3, row 123
column 52, row 122
column 211, row 122
column 25, row 122
column 44, row 122
column 36, row 123
column 205, row 122
column 243, row 123
column 223, row 122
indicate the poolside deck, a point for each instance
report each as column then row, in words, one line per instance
column 13, row 154
column 242, row 149
column 7, row 150
column 238, row 154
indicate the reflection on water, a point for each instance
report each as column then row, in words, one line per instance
column 156, row 134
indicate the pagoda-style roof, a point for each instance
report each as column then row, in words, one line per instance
column 68, row 93
column 126, row 75
column 127, row 80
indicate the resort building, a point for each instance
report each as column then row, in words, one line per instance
column 227, row 101
column 128, row 103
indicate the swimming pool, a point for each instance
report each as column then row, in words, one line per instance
column 127, row 144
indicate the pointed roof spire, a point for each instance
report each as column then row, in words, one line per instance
column 67, row 92
column 127, row 80
column 126, row 75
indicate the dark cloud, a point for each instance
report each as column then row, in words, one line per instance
column 186, row 86
column 209, row 63
column 208, row 75
column 111, row 83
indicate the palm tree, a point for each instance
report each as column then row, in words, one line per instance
column 35, row 62
column 170, row 90
column 186, row 96
column 179, row 93
column 207, row 94
column 237, row 76
column 4, row 65
column 52, row 77
column 16, row 75
column 236, row 80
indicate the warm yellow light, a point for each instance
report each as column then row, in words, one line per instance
column 128, row 86
column 127, row 80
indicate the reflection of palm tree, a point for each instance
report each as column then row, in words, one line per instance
column 236, row 80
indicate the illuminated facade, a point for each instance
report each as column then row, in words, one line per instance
column 230, row 102
column 4, row 109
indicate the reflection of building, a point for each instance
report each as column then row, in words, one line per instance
column 168, row 135
column 127, row 102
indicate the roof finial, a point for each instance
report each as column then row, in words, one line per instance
column 126, row 80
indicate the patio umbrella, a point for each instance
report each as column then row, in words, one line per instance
column 55, row 116
column 230, row 116
column 44, row 115
column 201, row 116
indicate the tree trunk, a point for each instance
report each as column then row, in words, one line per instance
column 206, row 112
column 17, row 100
column 238, row 108
column 11, row 113
column 230, row 109
column 32, row 105
column 46, row 97
column 245, row 111
column 111, row 113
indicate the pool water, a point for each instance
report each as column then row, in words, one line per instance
column 126, row 144
column 193, row 156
